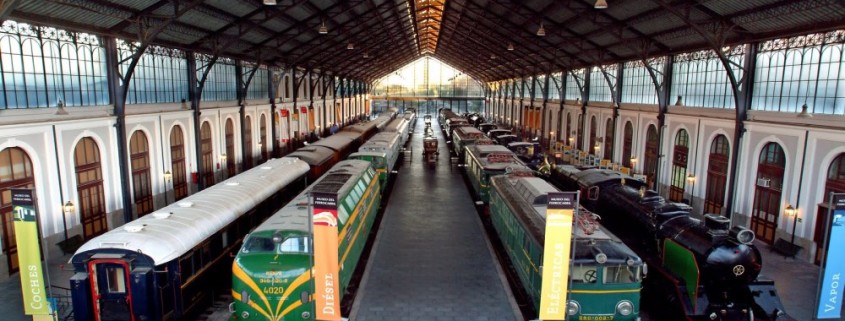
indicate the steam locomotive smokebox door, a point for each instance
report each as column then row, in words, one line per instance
column 142, row 303
column 80, row 287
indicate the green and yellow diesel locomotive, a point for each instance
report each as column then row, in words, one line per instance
column 272, row 271
column 605, row 274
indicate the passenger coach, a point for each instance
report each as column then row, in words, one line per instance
column 168, row 265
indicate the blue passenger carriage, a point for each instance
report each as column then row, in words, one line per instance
column 605, row 274
column 168, row 265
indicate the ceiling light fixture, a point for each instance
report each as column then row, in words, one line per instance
column 542, row 31
column 510, row 46
column 323, row 30
column 270, row 2
column 350, row 46
column 601, row 4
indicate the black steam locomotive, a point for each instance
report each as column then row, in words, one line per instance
column 698, row 270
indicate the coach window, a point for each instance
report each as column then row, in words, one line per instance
column 140, row 161
column 89, row 186
column 116, row 280
column 177, row 162
column 15, row 172
column 593, row 130
column 767, row 192
column 717, row 175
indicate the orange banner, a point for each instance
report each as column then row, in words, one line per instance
column 326, row 272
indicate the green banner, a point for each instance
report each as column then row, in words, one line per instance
column 29, row 253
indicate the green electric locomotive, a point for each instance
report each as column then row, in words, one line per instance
column 605, row 275
column 272, row 271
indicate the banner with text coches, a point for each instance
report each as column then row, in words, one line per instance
column 29, row 253
column 830, row 298
column 326, row 275
column 556, row 252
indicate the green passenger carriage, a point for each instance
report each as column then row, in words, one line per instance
column 605, row 274
column 485, row 161
column 463, row 137
column 382, row 150
column 271, row 273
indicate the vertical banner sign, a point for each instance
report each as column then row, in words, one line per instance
column 830, row 298
column 556, row 256
column 29, row 253
column 326, row 275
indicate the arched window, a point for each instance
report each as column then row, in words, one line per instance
column 608, row 139
column 767, row 192
column 15, row 172
column 579, row 134
column 248, row 142
column 717, row 175
column 231, row 168
column 89, row 186
column 593, row 129
column 569, row 130
column 262, row 140
column 142, row 190
column 627, row 144
column 207, row 155
column 177, row 163
column 650, row 157
column 680, row 154
column 835, row 184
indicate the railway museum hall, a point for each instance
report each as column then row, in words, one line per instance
column 113, row 109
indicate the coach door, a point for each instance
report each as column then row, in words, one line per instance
column 110, row 290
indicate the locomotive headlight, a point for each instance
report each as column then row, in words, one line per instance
column 625, row 307
column 245, row 315
column 244, row 296
column 572, row 308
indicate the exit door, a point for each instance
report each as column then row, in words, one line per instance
column 110, row 290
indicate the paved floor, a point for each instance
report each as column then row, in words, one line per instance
column 431, row 260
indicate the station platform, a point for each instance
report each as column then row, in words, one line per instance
column 431, row 259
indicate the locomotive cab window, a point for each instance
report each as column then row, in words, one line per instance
column 298, row 244
column 259, row 244
column 621, row 274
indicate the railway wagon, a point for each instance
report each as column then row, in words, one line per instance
column 700, row 269
column 167, row 265
column 382, row 150
column 271, row 278
column 401, row 126
column 463, row 137
column 605, row 273
column 485, row 161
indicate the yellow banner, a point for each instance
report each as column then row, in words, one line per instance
column 29, row 253
column 556, row 253
column 326, row 271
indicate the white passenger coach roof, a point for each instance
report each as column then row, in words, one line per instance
column 173, row 230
